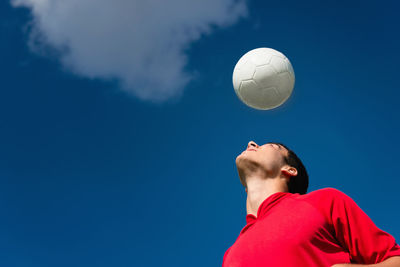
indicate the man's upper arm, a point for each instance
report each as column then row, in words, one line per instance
column 366, row 243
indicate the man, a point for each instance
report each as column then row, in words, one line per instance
column 287, row 227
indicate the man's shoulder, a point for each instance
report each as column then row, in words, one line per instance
column 324, row 195
column 330, row 191
column 325, row 200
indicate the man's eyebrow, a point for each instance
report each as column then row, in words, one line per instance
column 282, row 147
column 279, row 145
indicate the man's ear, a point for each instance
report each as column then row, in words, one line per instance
column 289, row 171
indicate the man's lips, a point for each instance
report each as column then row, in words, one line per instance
column 251, row 149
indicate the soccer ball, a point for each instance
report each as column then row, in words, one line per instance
column 263, row 78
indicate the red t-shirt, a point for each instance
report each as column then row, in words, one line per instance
column 321, row 228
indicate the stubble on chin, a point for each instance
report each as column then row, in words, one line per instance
column 239, row 165
column 245, row 167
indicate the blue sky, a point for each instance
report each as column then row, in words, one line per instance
column 105, row 167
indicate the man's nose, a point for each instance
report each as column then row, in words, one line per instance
column 252, row 144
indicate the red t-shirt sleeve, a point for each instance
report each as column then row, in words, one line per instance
column 357, row 233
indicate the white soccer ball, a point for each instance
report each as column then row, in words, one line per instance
column 263, row 78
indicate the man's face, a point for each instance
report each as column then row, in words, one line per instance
column 268, row 159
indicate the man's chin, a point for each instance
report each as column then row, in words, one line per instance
column 239, row 159
column 244, row 156
column 242, row 161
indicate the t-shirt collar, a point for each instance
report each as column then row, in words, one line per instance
column 266, row 205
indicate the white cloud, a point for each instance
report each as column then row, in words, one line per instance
column 141, row 43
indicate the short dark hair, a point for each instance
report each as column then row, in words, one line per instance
column 298, row 183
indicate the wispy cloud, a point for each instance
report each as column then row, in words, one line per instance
column 141, row 43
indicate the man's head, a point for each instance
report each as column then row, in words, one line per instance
column 273, row 160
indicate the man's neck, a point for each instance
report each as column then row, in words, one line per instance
column 260, row 189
